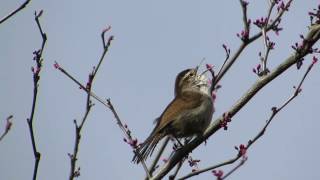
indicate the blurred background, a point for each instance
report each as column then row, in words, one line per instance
column 154, row 40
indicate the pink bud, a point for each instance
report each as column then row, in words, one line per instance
column 224, row 46
column 243, row 149
column 314, row 60
column 56, row 65
column 106, row 29
column 214, row 96
column 218, row 173
column 258, row 67
column 254, row 70
column 8, row 125
column 111, row 38
column 209, row 66
column 37, row 70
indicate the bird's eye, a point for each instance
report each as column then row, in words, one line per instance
column 192, row 74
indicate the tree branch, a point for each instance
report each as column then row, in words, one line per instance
column 247, row 42
column 157, row 158
column 312, row 37
column 108, row 104
column 74, row 170
column 36, row 77
column 275, row 111
column 15, row 11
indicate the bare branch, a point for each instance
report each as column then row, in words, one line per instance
column 246, row 23
column 173, row 176
column 73, row 157
column 74, row 171
column 259, row 134
column 92, row 94
column 36, row 77
column 209, row 168
column 107, row 103
column 235, row 168
column 105, row 48
column 266, row 40
column 129, row 138
column 15, row 11
column 227, row 51
column 312, row 37
column 250, row 40
column 159, row 153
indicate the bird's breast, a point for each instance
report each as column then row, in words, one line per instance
column 194, row 121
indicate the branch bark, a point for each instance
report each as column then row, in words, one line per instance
column 36, row 77
column 311, row 38
column 74, row 170
column 22, row 6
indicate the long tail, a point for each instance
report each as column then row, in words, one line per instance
column 147, row 147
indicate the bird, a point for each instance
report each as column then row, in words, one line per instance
column 187, row 115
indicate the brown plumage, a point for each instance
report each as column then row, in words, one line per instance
column 188, row 114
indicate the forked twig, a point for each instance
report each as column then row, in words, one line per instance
column 107, row 103
column 259, row 134
column 36, row 77
column 74, row 170
column 310, row 39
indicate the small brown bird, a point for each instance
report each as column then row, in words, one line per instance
column 188, row 114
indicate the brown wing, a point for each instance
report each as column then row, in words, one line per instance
column 185, row 101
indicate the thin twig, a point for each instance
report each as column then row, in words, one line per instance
column 105, row 47
column 36, row 77
column 73, row 157
column 265, row 40
column 312, row 37
column 249, row 41
column 259, row 134
column 106, row 103
column 274, row 22
column 105, row 50
column 209, row 168
column 7, row 127
column 227, row 51
column 174, row 175
column 277, row 110
column 128, row 136
column 74, row 170
column 15, row 11
column 156, row 159
column 43, row 35
column 235, row 168
column 246, row 24
column 92, row 94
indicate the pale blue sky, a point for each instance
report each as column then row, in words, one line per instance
column 154, row 40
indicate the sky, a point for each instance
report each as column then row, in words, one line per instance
column 154, row 41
